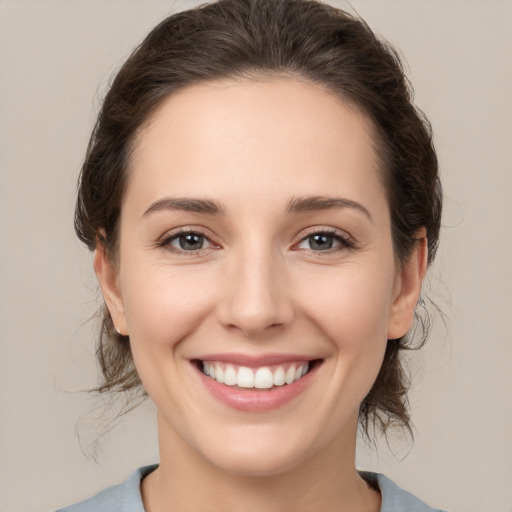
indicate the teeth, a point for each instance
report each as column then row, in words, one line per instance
column 245, row 377
column 260, row 378
column 230, row 377
column 290, row 375
column 219, row 374
column 279, row 377
column 263, row 379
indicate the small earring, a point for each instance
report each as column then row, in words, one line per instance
column 117, row 330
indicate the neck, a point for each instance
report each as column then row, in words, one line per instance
column 185, row 481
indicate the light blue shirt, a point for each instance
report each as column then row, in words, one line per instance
column 126, row 497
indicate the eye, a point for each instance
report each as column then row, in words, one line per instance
column 323, row 241
column 186, row 241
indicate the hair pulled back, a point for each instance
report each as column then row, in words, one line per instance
column 265, row 38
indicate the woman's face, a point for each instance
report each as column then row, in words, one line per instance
column 255, row 244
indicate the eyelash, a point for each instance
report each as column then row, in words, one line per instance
column 165, row 243
column 344, row 241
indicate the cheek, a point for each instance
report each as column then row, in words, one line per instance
column 352, row 307
column 163, row 304
column 350, row 310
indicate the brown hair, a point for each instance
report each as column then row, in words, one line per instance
column 251, row 38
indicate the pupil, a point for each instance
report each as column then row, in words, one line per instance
column 191, row 241
column 321, row 242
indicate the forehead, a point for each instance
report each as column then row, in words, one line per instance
column 244, row 135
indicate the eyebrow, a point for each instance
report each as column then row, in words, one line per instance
column 315, row 203
column 186, row 204
column 295, row 205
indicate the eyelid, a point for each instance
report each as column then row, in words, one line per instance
column 345, row 240
column 165, row 240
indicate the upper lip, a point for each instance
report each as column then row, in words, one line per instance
column 254, row 361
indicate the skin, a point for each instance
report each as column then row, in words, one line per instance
column 258, row 286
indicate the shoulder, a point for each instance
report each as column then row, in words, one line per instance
column 395, row 499
column 124, row 497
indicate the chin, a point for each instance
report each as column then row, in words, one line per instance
column 252, row 464
column 258, row 452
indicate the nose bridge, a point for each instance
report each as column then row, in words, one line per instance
column 257, row 298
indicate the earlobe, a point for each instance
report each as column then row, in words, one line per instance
column 409, row 283
column 108, row 277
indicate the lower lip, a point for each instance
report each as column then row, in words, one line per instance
column 257, row 400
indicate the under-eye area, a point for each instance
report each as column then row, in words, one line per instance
column 262, row 378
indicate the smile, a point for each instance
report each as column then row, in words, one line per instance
column 256, row 383
column 264, row 377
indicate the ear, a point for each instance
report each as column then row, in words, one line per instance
column 408, row 288
column 108, row 277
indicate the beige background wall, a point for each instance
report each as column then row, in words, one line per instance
column 53, row 56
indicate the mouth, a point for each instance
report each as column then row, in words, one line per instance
column 257, row 378
column 256, row 384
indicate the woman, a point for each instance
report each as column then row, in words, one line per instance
column 262, row 199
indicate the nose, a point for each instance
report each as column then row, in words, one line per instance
column 256, row 299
